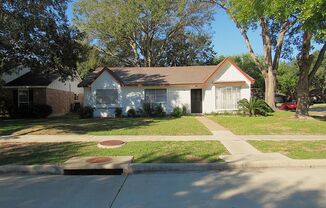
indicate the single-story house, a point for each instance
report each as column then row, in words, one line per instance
column 202, row 89
column 25, row 87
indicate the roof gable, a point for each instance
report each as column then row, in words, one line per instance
column 224, row 64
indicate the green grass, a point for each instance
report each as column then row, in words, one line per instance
column 281, row 122
column 294, row 149
column 106, row 126
column 143, row 152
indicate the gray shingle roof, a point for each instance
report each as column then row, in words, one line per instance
column 156, row 76
column 32, row 79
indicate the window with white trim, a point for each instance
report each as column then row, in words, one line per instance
column 155, row 95
column 227, row 97
column 23, row 97
column 107, row 96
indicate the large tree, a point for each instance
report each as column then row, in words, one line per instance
column 147, row 32
column 274, row 21
column 36, row 34
column 312, row 17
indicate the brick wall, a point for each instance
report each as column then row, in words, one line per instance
column 39, row 96
column 59, row 100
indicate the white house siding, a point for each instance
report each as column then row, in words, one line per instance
column 133, row 97
column 104, row 81
column 68, row 85
column 228, row 73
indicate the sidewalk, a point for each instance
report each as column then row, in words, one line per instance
column 242, row 153
column 283, row 137
column 233, row 143
column 90, row 138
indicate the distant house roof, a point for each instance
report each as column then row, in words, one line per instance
column 32, row 79
column 158, row 76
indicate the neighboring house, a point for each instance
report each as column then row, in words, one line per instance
column 202, row 89
column 24, row 88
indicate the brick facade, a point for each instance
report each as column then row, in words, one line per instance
column 59, row 100
column 39, row 95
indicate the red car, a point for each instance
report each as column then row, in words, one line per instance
column 288, row 106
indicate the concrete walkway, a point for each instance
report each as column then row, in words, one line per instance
column 233, row 143
column 241, row 151
column 90, row 138
column 284, row 137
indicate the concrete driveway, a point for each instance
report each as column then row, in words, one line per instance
column 268, row 188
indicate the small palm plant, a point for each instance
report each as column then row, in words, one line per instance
column 254, row 107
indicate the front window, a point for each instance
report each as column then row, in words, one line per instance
column 23, row 98
column 107, row 96
column 76, row 97
column 155, row 95
column 227, row 98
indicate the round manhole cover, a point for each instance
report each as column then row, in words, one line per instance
column 99, row 160
column 111, row 144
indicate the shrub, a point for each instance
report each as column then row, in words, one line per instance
column 118, row 112
column 140, row 112
column 147, row 109
column 159, row 110
column 254, row 107
column 86, row 112
column 131, row 113
column 184, row 110
column 41, row 111
column 177, row 112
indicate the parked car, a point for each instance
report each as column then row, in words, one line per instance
column 288, row 106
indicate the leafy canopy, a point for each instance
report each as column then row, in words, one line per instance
column 36, row 34
column 147, row 32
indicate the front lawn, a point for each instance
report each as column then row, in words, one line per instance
column 143, row 152
column 105, row 126
column 281, row 122
column 294, row 149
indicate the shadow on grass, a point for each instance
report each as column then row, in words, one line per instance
column 38, row 153
column 184, row 157
column 143, row 152
column 73, row 125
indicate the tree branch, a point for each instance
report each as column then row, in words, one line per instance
column 318, row 62
column 108, row 52
column 243, row 32
column 284, row 28
column 266, row 41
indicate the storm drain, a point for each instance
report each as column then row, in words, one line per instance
column 93, row 172
column 97, row 165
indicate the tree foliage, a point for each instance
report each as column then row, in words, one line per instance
column 287, row 78
column 147, row 32
column 36, row 34
column 91, row 58
column 275, row 22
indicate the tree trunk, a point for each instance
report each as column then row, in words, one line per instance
column 304, row 63
column 270, row 86
column 303, row 93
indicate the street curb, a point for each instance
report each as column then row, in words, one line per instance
column 135, row 168
column 166, row 167
column 32, row 169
